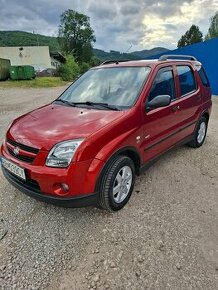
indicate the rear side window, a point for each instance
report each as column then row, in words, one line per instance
column 163, row 85
column 203, row 76
column 186, row 80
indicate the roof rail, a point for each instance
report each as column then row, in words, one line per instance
column 114, row 61
column 176, row 56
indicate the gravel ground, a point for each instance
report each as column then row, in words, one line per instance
column 165, row 238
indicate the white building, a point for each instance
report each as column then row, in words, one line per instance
column 37, row 56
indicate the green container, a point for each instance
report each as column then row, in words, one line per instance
column 4, row 69
column 22, row 72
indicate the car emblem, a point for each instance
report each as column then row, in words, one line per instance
column 16, row 150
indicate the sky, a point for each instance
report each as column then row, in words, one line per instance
column 123, row 25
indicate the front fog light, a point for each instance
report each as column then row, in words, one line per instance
column 65, row 187
column 62, row 153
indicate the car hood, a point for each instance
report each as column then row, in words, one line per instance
column 54, row 123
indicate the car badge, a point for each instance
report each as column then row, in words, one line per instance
column 16, row 151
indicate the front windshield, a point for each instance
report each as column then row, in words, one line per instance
column 114, row 86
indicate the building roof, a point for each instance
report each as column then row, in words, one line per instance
column 58, row 56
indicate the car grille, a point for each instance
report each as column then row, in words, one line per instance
column 28, row 153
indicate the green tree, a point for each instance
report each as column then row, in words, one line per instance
column 84, row 67
column 213, row 29
column 94, row 61
column 76, row 35
column 69, row 70
column 193, row 35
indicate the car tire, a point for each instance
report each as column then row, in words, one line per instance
column 200, row 133
column 117, row 183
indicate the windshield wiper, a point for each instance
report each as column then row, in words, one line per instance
column 65, row 102
column 104, row 105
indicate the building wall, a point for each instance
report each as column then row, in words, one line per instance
column 37, row 56
column 207, row 53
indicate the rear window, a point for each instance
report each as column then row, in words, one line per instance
column 203, row 76
column 186, row 80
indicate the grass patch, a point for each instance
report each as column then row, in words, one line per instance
column 40, row 82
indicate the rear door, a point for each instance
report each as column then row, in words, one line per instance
column 189, row 99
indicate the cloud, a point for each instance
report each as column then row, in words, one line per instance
column 131, row 9
column 117, row 23
column 102, row 10
column 168, row 27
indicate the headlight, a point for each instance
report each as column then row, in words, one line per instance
column 62, row 153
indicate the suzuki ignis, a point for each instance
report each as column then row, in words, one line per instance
column 87, row 146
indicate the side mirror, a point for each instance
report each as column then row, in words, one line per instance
column 158, row 101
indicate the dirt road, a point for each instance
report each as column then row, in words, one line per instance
column 165, row 238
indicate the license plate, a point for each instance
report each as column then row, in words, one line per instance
column 13, row 168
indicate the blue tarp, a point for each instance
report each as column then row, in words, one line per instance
column 207, row 53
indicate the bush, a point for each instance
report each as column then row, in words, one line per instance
column 84, row 67
column 69, row 70
column 94, row 61
column 38, row 82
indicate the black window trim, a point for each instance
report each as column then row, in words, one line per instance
column 205, row 75
column 196, row 83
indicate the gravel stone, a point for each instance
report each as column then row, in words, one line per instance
column 2, row 268
column 112, row 265
column 170, row 220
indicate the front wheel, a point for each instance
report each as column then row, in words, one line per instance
column 117, row 183
column 200, row 133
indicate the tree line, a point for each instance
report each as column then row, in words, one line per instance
column 194, row 35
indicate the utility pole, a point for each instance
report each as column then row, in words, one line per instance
column 128, row 48
column 37, row 38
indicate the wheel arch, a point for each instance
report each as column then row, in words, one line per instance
column 128, row 151
column 206, row 115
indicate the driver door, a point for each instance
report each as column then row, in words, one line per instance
column 160, row 124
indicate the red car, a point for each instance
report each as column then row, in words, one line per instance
column 87, row 146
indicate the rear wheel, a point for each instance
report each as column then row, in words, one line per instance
column 200, row 133
column 117, row 183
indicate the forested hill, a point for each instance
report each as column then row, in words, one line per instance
column 21, row 38
column 103, row 55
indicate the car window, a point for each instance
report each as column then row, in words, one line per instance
column 163, row 85
column 203, row 76
column 186, row 80
column 118, row 86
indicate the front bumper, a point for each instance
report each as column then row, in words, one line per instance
column 81, row 177
column 81, row 201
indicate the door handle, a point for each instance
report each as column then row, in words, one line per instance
column 175, row 108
